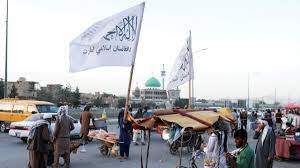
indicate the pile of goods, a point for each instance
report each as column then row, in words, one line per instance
column 209, row 162
column 101, row 134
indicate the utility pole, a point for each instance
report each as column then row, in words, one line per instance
column 163, row 75
column 275, row 97
column 248, row 105
column 5, row 80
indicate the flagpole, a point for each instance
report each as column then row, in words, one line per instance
column 128, row 92
column 5, row 80
column 190, row 80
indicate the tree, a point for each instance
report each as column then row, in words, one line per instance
column 121, row 102
column 1, row 89
column 13, row 92
column 64, row 96
column 75, row 97
column 45, row 96
column 181, row 103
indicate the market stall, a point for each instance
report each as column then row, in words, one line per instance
column 186, row 125
column 288, row 139
column 289, row 149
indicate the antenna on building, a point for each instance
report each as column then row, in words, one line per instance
column 163, row 75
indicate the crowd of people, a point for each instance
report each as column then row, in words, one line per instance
column 46, row 147
column 265, row 127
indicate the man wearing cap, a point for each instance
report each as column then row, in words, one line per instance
column 265, row 147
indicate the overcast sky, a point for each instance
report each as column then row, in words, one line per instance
column 259, row 37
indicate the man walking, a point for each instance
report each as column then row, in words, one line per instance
column 265, row 147
column 85, row 118
column 61, row 136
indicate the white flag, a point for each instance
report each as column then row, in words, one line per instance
column 183, row 69
column 109, row 42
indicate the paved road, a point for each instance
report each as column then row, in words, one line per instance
column 13, row 154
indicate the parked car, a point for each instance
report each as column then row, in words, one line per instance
column 21, row 129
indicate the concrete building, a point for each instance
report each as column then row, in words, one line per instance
column 174, row 94
column 25, row 89
column 87, row 97
column 52, row 88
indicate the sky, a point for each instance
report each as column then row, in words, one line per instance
column 256, row 37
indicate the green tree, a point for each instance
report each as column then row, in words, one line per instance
column 45, row 96
column 121, row 102
column 1, row 89
column 76, row 97
column 13, row 92
column 64, row 96
column 181, row 103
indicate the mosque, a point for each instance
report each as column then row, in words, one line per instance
column 153, row 92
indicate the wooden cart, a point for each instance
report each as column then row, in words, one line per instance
column 107, row 147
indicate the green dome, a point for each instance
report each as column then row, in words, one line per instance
column 152, row 83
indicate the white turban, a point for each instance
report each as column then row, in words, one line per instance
column 62, row 111
column 265, row 131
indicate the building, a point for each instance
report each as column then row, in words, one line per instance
column 109, row 100
column 25, row 89
column 87, row 98
column 52, row 88
column 136, row 93
column 151, row 93
column 174, row 94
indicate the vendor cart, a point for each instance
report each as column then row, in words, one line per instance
column 107, row 147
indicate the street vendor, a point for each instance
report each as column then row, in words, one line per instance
column 243, row 157
column 217, row 144
column 290, row 129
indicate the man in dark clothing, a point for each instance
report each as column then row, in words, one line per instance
column 243, row 118
column 38, row 140
column 265, row 147
column 278, row 120
column 125, row 135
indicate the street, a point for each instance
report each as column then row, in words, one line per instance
column 14, row 155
